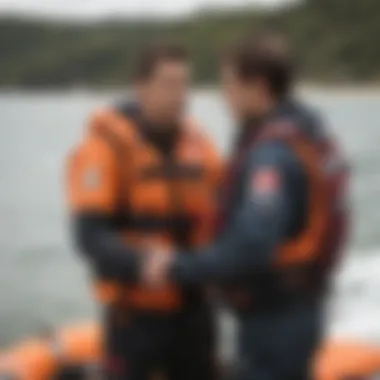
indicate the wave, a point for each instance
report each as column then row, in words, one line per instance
column 354, row 310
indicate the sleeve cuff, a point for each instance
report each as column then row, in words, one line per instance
column 184, row 269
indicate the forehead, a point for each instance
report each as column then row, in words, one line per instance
column 171, row 67
column 228, row 71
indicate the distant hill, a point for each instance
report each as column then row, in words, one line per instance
column 337, row 40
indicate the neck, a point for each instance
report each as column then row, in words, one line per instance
column 266, row 105
column 262, row 108
column 156, row 119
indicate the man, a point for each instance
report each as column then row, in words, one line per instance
column 283, row 218
column 144, row 176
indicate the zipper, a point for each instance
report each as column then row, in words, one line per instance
column 180, row 236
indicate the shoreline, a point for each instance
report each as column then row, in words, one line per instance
column 323, row 88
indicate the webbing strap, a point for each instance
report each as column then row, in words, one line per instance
column 177, row 225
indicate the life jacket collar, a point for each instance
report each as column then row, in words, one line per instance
column 163, row 137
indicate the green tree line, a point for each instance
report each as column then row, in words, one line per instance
column 335, row 40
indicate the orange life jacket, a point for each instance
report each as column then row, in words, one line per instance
column 160, row 201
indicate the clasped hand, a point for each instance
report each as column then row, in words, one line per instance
column 155, row 268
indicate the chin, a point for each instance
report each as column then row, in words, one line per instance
column 237, row 113
column 175, row 114
column 172, row 117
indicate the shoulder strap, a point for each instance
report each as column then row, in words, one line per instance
column 118, row 132
column 284, row 130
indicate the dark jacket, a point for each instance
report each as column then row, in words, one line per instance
column 265, row 206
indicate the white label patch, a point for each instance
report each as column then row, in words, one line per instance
column 91, row 178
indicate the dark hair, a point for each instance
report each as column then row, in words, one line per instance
column 151, row 56
column 268, row 57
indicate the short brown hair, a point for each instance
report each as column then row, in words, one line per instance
column 268, row 56
column 151, row 56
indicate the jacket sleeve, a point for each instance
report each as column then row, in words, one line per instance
column 92, row 195
column 259, row 225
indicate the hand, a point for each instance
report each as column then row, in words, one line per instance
column 154, row 271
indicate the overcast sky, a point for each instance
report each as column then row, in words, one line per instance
column 100, row 8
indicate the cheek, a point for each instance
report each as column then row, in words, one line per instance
column 173, row 91
column 178, row 92
column 161, row 96
column 233, row 97
column 179, row 98
column 228, row 93
column 152, row 95
column 247, row 97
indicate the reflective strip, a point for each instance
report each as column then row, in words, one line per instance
column 149, row 223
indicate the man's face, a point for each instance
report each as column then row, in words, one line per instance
column 242, row 98
column 164, row 93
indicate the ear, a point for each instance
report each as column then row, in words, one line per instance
column 261, row 84
column 254, row 88
column 138, row 87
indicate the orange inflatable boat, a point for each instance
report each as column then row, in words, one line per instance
column 73, row 353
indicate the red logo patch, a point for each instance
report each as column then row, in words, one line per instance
column 266, row 180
